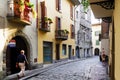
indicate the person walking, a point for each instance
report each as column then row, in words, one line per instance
column 21, row 60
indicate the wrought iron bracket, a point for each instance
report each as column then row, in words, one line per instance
column 109, row 4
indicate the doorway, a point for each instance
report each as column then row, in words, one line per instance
column 96, row 52
column 77, row 52
column 14, row 46
column 57, row 51
column 47, row 52
column 70, row 51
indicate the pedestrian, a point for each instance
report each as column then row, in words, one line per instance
column 21, row 60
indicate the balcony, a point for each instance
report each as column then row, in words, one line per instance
column 20, row 12
column 45, row 24
column 45, row 27
column 61, row 34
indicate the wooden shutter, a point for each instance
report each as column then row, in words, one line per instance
column 71, row 12
column 43, row 9
column 72, row 29
column 56, row 23
column 43, row 12
column 57, row 3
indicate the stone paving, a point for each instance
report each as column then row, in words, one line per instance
column 88, row 69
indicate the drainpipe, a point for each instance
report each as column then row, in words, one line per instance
column 113, row 54
column 37, row 13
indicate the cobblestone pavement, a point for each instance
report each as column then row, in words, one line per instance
column 88, row 69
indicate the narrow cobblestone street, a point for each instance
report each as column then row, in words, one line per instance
column 88, row 69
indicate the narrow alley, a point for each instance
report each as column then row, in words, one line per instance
column 88, row 69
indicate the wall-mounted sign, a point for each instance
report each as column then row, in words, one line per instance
column 12, row 43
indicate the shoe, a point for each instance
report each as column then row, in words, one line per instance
column 18, row 76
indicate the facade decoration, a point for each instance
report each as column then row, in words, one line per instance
column 22, row 10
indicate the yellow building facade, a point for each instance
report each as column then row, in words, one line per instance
column 55, row 40
column 116, row 25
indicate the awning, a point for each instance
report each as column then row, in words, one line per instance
column 102, row 8
column 75, row 2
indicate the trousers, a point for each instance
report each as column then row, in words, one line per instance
column 22, row 69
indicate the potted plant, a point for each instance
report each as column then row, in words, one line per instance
column 21, row 5
column 66, row 31
column 30, row 7
column 50, row 21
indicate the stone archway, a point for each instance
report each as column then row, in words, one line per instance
column 12, row 51
column 77, row 52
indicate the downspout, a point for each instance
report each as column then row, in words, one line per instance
column 113, row 54
column 37, row 13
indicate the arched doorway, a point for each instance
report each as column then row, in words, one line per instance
column 96, row 51
column 77, row 52
column 13, row 49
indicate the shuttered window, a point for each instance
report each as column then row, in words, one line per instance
column 58, row 5
column 58, row 23
column 71, row 12
column 43, row 13
column 72, row 31
column 43, row 9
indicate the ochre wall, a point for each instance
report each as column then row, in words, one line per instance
column 50, row 36
column 117, row 39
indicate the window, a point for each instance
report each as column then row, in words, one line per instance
column 58, row 5
column 97, row 33
column 86, row 17
column 43, row 10
column 76, row 14
column 58, row 23
column 72, row 31
column 97, row 42
column 64, row 49
column 71, row 12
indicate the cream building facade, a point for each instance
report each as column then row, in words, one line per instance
column 96, row 30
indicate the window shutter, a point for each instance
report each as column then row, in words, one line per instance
column 43, row 9
column 72, row 31
column 71, row 12
column 43, row 12
column 56, row 23
column 60, row 5
column 57, row 3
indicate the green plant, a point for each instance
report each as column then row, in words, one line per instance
column 85, row 4
column 66, row 31
column 49, row 20
column 30, row 5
